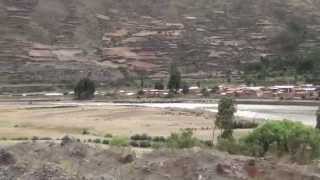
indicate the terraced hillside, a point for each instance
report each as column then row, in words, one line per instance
column 59, row 41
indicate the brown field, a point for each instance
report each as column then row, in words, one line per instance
column 44, row 120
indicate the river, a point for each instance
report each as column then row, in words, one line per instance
column 304, row 114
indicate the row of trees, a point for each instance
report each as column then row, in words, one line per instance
column 85, row 88
column 304, row 67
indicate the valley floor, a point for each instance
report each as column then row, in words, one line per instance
column 18, row 120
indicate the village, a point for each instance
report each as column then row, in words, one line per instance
column 281, row 92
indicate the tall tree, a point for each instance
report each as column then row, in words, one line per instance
column 174, row 79
column 225, row 117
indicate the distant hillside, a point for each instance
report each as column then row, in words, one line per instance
column 59, row 41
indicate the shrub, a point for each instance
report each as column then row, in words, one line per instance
column 20, row 139
column 35, row 138
column 205, row 92
column 159, row 86
column 105, row 141
column 185, row 89
column 85, row 132
column 285, row 137
column 181, row 140
column 158, row 145
column 84, row 89
column 134, row 143
column 140, row 93
column 145, row 144
column 159, row 139
column 97, row 141
column 231, row 146
column 108, row 135
column 119, row 141
column 245, row 124
column 141, row 137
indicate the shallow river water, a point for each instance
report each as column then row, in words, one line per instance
column 305, row 114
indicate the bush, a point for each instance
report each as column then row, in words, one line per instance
column 245, row 124
column 119, row 141
column 20, row 139
column 159, row 86
column 35, row 138
column 159, row 139
column 97, row 141
column 140, row 93
column 105, row 142
column 85, row 132
column 181, row 140
column 142, row 137
column 134, row 143
column 145, row 144
column 231, row 146
column 302, row 143
column 108, row 135
column 205, row 92
column 84, row 89
column 185, row 89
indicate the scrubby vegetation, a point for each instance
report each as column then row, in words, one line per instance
column 181, row 140
column 280, row 138
column 84, row 89
column 119, row 141
column 293, row 67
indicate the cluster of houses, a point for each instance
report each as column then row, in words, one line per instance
column 304, row 92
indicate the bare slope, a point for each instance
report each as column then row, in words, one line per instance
column 75, row 161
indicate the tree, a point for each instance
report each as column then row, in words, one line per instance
column 174, row 79
column 225, row 117
column 318, row 118
column 84, row 89
column 185, row 89
column 159, row 86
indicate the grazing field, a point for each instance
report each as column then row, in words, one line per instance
column 18, row 120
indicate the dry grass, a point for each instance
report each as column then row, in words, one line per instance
column 28, row 121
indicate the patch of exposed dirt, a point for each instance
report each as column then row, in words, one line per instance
column 76, row 161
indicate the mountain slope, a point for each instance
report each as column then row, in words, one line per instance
column 59, row 41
